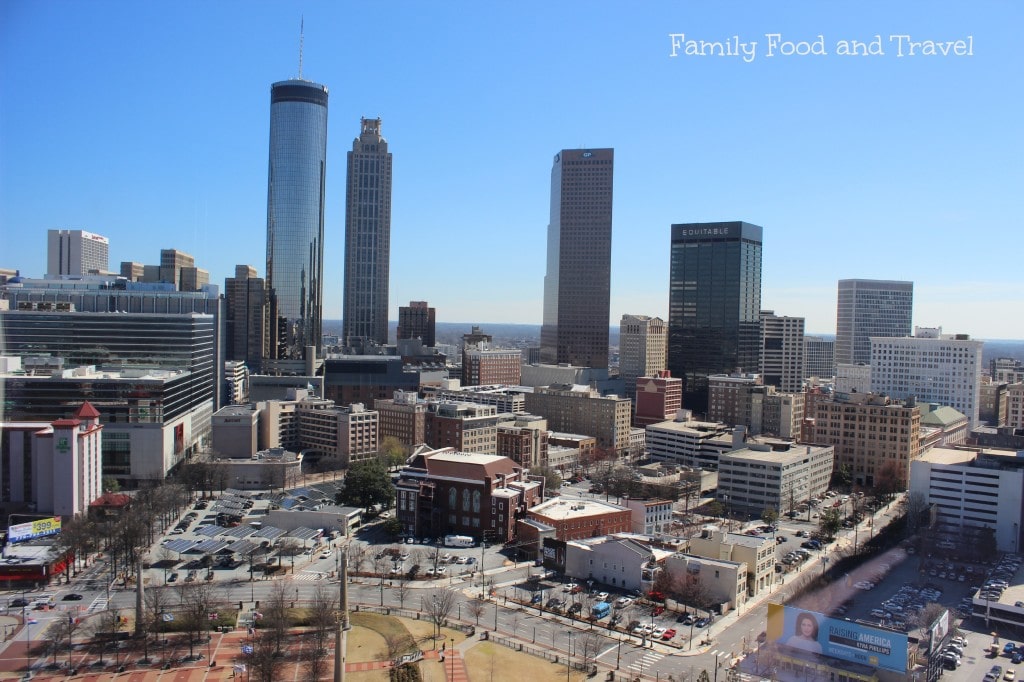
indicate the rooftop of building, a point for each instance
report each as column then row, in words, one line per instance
column 948, row 456
column 693, row 427
column 560, row 510
column 707, row 561
column 56, row 372
column 793, row 453
column 942, row 415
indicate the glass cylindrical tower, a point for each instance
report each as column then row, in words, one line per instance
column 295, row 216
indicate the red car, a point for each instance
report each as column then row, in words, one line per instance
column 658, row 610
column 669, row 634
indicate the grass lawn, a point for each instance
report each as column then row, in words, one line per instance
column 488, row 662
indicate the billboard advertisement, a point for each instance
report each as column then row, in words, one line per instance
column 816, row 633
column 938, row 632
column 33, row 529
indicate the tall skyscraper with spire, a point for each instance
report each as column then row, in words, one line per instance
column 295, row 219
column 367, row 238
column 577, row 285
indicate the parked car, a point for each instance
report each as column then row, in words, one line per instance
column 73, row 596
column 623, row 602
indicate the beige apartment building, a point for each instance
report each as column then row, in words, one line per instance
column 581, row 409
column 642, row 346
column 756, row 552
column 869, row 431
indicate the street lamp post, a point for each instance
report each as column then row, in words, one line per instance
column 568, row 656
column 451, row 655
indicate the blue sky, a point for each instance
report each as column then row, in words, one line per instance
column 148, row 123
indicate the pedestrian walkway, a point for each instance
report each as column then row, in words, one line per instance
column 308, row 576
column 454, row 665
column 646, row 661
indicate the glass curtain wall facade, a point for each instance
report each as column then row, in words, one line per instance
column 367, row 237
column 295, row 216
column 870, row 307
column 577, row 284
column 121, row 340
column 714, row 304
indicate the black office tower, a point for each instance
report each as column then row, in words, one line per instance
column 714, row 304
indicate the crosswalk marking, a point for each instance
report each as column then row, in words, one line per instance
column 98, row 604
column 308, row 576
column 646, row 661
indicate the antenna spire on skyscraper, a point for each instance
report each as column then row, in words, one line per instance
column 302, row 31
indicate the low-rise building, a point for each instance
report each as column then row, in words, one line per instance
column 756, row 552
column 579, row 519
column 616, row 562
column 52, row 468
column 952, row 426
column 724, row 581
column 776, row 476
column 974, row 489
column 446, row 492
column 689, row 442
column 524, row 439
column 650, row 517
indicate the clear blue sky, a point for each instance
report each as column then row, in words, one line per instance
column 148, row 122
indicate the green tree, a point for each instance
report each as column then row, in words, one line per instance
column 552, row 479
column 714, row 508
column 367, row 484
column 770, row 516
column 829, row 523
column 111, row 484
column 841, row 477
column 392, row 452
column 392, row 526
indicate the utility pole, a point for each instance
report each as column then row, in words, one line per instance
column 341, row 634
column 140, row 618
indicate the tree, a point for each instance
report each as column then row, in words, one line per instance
column 158, row 601
column 829, row 522
column 61, row 635
column 367, row 484
column 438, row 606
column 264, row 663
column 196, row 602
column 392, row 452
column 476, row 606
column 703, row 676
column 275, row 615
column 889, row 480
column 841, row 477
column 664, row 583
column 917, row 512
column 552, row 479
column 770, row 516
column 323, row 615
column 392, row 526
column 714, row 508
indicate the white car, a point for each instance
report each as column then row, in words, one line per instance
column 623, row 602
column 658, row 632
column 441, row 570
column 462, row 560
column 568, row 587
column 601, row 596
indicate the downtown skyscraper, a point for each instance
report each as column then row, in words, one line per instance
column 577, row 285
column 367, row 238
column 296, row 188
column 870, row 307
column 714, row 304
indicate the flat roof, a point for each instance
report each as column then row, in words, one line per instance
column 948, row 456
column 566, row 509
column 697, row 428
column 793, row 454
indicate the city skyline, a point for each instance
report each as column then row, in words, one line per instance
column 873, row 167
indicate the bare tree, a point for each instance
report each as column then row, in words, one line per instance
column 589, row 647
column 275, row 615
column 314, row 663
column 196, row 602
column 356, row 554
column 61, row 636
column 323, row 615
column 401, row 587
column 438, row 606
column 264, row 663
column 476, row 606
